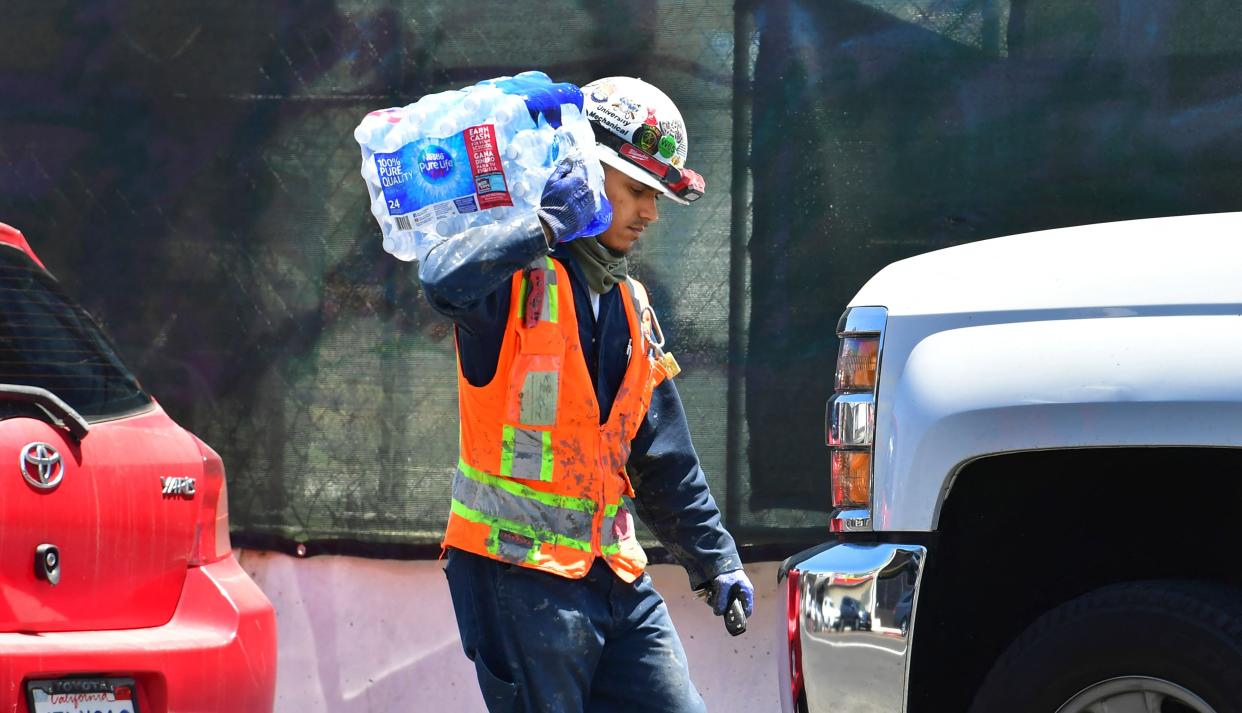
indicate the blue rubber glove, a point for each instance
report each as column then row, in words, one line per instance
column 724, row 583
column 567, row 205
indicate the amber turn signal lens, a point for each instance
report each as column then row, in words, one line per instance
column 851, row 478
column 857, row 363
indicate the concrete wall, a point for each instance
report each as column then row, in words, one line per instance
column 359, row 635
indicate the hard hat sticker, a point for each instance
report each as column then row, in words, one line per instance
column 676, row 132
column 434, row 178
column 668, row 146
column 646, row 138
column 602, row 90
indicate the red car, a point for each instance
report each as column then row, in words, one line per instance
column 119, row 592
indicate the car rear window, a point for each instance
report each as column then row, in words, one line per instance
column 47, row 340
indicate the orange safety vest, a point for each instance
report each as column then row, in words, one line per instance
column 539, row 481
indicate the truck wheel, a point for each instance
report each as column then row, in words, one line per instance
column 1141, row 647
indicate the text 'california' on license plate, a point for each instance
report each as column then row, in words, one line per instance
column 83, row 695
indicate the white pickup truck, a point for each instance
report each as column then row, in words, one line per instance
column 1036, row 475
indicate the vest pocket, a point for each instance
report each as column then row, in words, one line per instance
column 538, row 398
column 534, row 390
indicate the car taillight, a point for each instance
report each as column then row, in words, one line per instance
column 850, row 418
column 211, row 533
column 793, row 628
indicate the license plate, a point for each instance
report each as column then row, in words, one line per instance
column 83, row 695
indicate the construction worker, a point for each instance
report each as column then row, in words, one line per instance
column 568, row 407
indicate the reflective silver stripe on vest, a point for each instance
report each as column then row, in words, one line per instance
column 495, row 502
column 639, row 302
column 527, row 454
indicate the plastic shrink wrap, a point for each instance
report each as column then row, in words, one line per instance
column 477, row 156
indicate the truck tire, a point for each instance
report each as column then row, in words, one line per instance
column 1159, row 646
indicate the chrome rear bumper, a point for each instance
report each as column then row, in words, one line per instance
column 846, row 646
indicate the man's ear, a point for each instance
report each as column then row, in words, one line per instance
column 609, row 179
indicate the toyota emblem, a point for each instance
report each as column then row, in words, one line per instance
column 42, row 466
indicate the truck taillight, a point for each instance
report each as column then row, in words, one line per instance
column 857, row 363
column 850, row 419
column 211, row 532
column 851, row 478
column 793, row 630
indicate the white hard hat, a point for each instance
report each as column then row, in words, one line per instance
column 640, row 132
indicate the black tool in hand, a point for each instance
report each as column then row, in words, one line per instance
column 735, row 613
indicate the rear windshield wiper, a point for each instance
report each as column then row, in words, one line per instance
column 59, row 412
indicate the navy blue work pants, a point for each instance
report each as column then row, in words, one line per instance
column 545, row 644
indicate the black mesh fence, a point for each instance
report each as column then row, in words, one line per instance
column 887, row 128
column 189, row 171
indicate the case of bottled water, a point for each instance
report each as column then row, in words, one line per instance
column 476, row 156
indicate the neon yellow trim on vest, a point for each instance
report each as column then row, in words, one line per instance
column 553, row 538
